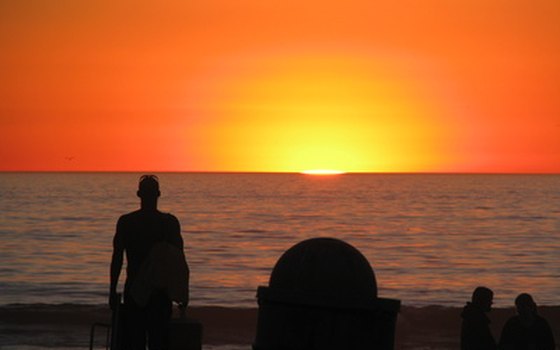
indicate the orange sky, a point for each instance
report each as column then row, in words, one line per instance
column 247, row 85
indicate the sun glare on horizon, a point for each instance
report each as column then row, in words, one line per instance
column 323, row 172
column 324, row 112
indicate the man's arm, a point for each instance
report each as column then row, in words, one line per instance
column 116, row 266
column 175, row 237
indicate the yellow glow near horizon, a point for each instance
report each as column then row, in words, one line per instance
column 323, row 172
column 345, row 113
column 280, row 86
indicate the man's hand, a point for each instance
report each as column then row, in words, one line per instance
column 114, row 300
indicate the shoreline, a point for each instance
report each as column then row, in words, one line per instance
column 68, row 325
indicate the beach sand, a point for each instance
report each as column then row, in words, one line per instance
column 68, row 326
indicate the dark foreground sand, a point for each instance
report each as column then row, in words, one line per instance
column 69, row 325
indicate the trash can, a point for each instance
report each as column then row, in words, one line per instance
column 322, row 295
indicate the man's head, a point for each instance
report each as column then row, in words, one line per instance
column 148, row 187
column 525, row 305
column 482, row 297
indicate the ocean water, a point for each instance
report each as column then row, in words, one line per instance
column 430, row 238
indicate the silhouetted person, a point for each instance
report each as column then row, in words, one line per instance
column 137, row 233
column 475, row 329
column 527, row 330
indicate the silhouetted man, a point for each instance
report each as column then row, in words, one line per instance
column 475, row 330
column 527, row 330
column 137, row 233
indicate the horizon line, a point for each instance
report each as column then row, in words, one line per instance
column 224, row 172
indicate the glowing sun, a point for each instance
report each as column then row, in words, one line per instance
column 323, row 172
column 293, row 114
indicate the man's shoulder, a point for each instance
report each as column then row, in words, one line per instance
column 541, row 321
column 130, row 216
column 131, row 219
column 169, row 216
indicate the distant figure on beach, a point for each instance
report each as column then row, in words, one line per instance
column 475, row 329
column 527, row 330
column 154, row 252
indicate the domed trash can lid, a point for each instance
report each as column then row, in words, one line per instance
column 324, row 272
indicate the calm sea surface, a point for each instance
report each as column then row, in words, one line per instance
column 430, row 238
